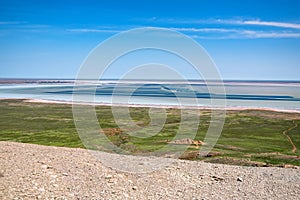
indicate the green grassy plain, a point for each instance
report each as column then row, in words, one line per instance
column 249, row 137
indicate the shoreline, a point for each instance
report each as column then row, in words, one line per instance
column 226, row 108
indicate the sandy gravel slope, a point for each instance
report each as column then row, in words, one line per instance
column 38, row 172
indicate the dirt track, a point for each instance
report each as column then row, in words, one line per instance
column 285, row 133
column 38, row 172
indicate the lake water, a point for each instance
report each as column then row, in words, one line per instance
column 251, row 94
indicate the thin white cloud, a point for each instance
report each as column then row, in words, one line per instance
column 230, row 33
column 205, row 30
column 237, row 21
column 84, row 30
column 212, row 33
column 260, row 34
column 274, row 24
column 256, row 22
column 259, row 23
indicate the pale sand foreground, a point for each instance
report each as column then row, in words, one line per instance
column 39, row 172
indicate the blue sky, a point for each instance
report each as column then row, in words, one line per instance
column 257, row 40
